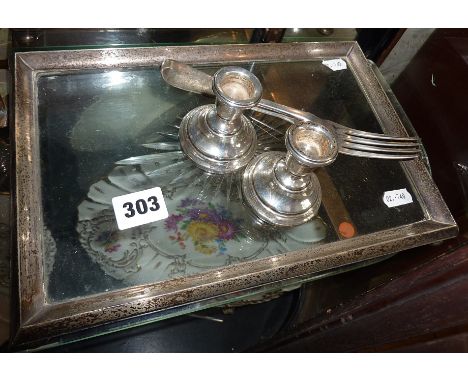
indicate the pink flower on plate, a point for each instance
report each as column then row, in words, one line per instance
column 112, row 248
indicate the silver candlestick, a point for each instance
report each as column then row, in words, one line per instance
column 219, row 138
column 282, row 189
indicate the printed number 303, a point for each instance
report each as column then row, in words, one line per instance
column 141, row 206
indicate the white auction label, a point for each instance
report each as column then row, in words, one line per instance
column 335, row 64
column 139, row 208
column 397, row 198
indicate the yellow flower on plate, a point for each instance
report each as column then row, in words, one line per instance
column 205, row 249
column 202, row 231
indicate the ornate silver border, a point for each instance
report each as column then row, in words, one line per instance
column 37, row 319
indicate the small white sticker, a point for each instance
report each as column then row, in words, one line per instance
column 336, row 64
column 397, row 198
column 139, row 208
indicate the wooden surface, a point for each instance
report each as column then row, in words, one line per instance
column 414, row 298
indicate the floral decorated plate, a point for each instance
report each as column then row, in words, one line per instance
column 207, row 227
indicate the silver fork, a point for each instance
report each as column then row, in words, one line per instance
column 372, row 145
column 351, row 142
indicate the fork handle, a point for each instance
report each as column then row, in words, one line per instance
column 186, row 77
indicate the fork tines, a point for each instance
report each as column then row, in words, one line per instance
column 374, row 145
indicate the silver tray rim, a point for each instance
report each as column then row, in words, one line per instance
column 38, row 320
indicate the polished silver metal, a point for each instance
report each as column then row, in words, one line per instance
column 183, row 76
column 372, row 145
column 219, row 138
column 186, row 77
column 42, row 322
column 282, row 190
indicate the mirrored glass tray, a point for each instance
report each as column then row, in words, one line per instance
column 96, row 124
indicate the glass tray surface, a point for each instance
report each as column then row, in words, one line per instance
column 90, row 121
column 103, row 123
